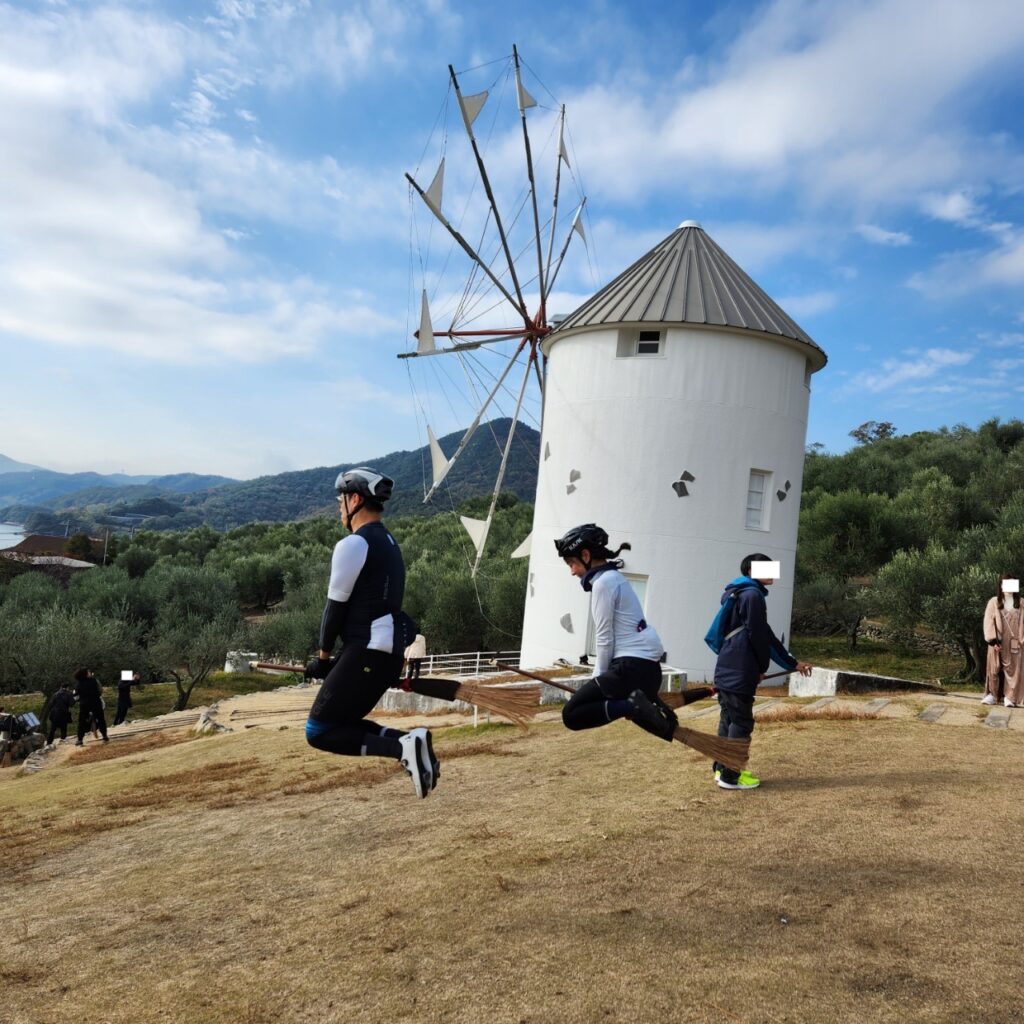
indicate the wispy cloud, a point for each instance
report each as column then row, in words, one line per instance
column 914, row 368
column 881, row 236
column 114, row 229
column 809, row 304
column 966, row 271
column 790, row 105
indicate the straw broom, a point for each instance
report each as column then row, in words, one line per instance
column 732, row 753
column 518, row 705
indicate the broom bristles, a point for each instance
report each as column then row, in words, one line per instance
column 518, row 704
column 732, row 753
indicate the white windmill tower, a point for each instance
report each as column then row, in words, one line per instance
column 675, row 417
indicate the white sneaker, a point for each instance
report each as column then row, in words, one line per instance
column 988, row 699
column 413, row 757
column 428, row 760
column 1007, row 703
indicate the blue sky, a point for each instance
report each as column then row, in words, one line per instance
column 205, row 256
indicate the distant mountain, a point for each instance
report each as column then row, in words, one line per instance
column 76, row 490
column 308, row 492
column 296, row 495
column 10, row 466
column 187, row 483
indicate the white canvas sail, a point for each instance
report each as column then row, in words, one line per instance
column 471, row 107
column 523, row 551
column 477, row 530
column 425, row 338
column 525, row 99
column 432, row 197
column 439, row 461
column 577, row 224
column 563, row 153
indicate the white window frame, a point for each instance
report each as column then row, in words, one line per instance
column 630, row 340
column 658, row 340
column 639, row 585
column 764, row 512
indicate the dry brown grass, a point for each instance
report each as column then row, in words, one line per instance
column 789, row 713
column 595, row 877
column 94, row 752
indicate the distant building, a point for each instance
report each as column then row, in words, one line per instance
column 39, row 553
column 36, row 544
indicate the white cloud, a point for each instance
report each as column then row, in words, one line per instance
column 110, row 239
column 793, row 105
column 961, row 273
column 809, row 304
column 898, row 373
column 754, row 246
column 881, row 236
column 955, row 207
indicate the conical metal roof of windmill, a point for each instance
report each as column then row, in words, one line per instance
column 688, row 279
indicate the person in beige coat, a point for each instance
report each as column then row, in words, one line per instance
column 414, row 655
column 1004, row 633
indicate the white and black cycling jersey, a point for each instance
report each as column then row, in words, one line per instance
column 620, row 630
column 365, row 591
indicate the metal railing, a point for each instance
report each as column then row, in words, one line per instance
column 467, row 663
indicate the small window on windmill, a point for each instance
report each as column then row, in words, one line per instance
column 807, row 375
column 648, row 343
column 758, row 490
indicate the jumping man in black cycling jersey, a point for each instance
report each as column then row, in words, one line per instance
column 364, row 602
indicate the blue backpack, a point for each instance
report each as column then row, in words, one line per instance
column 716, row 635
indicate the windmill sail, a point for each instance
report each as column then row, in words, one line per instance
column 432, row 197
column 563, row 153
column 477, row 530
column 523, row 551
column 471, row 107
column 525, row 99
column 439, row 461
column 577, row 224
column 425, row 335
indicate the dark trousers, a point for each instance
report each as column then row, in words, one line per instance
column 414, row 667
column 54, row 726
column 735, row 721
column 337, row 721
column 587, row 706
column 122, row 711
column 88, row 716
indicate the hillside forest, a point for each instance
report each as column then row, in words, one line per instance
column 913, row 529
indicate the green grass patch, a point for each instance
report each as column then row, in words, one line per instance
column 879, row 657
column 475, row 732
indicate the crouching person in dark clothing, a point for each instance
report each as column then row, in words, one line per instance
column 748, row 648
column 60, row 712
column 90, row 704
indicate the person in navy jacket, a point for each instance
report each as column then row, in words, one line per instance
column 748, row 648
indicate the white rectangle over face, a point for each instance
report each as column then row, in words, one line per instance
column 1011, row 586
column 765, row 570
column 126, row 674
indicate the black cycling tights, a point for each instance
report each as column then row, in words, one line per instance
column 337, row 721
column 588, row 707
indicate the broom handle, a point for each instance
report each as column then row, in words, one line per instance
column 534, row 675
column 510, row 668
